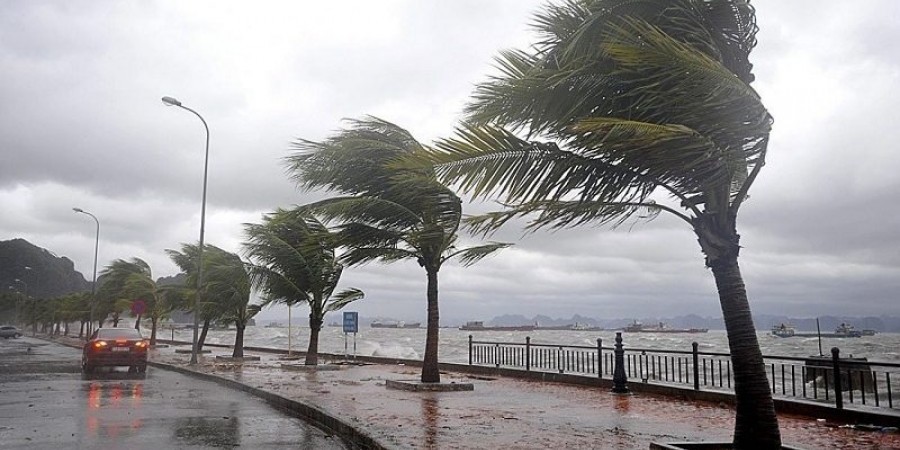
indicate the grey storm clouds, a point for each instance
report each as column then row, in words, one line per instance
column 82, row 125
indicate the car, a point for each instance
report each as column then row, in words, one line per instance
column 9, row 331
column 110, row 347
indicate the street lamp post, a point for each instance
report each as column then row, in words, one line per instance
column 94, row 281
column 169, row 101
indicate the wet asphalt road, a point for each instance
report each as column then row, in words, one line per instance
column 46, row 403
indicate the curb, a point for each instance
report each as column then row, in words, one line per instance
column 348, row 433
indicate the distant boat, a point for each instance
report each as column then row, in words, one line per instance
column 783, row 330
column 479, row 326
column 274, row 325
column 847, row 330
column 395, row 324
column 868, row 332
column 571, row 327
column 844, row 330
column 660, row 327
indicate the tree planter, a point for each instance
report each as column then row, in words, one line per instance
column 702, row 446
column 310, row 367
column 419, row 386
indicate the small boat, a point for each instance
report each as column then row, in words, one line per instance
column 783, row 330
column 479, row 326
column 274, row 325
column 868, row 332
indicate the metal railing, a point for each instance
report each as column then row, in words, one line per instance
column 829, row 379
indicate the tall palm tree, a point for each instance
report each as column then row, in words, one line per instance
column 227, row 280
column 296, row 262
column 387, row 213
column 627, row 110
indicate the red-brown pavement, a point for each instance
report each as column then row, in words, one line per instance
column 512, row 414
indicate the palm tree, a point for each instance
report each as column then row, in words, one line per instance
column 186, row 260
column 226, row 279
column 134, row 281
column 628, row 110
column 296, row 262
column 387, row 213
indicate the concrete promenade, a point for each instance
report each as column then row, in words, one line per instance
column 504, row 412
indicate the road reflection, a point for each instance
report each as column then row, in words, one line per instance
column 109, row 406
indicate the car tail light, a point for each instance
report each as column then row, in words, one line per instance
column 100, row 344
column 141, row 344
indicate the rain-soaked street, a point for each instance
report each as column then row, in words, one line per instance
column 45, row 403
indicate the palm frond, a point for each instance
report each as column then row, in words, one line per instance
column 343, row 298
column 472, row 255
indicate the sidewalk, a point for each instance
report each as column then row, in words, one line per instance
column 508, row 413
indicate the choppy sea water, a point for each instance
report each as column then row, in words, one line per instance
column 453, row 344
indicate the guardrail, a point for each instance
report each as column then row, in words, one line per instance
column 833, row 379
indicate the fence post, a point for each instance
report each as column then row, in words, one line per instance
column 836, row 364
column 470, row 349
column 599, row 358
column 620, row 381
column 695, row 351
column 527, row 353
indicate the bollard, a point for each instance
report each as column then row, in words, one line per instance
column 620, row 381
column 695, row 350
column 599, row 358
column 836, row 364
column 527, row 353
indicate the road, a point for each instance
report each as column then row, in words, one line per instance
column 46, row 403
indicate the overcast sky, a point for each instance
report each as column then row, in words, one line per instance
column 82, row 125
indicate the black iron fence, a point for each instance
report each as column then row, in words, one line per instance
column 830, row 379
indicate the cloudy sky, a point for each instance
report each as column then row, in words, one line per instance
column 82, row 125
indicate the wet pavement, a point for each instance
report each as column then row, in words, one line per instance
column 509, row 413
column 46, row 403
column 512, row 414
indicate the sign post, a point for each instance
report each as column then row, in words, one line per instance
column 351, row 325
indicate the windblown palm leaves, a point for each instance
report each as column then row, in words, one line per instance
column 295, row 261
column 132, row 281
column 626, row 109
column 387, row 213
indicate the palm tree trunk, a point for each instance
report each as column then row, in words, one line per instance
column 312, row 352
column 430, row 371
column 756, row 425
column 239, row 341
column 153, row 322
column 202, row 339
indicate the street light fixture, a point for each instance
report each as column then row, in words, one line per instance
column 94, row 281
column 169, row 101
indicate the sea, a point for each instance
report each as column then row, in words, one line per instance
column 409, row 343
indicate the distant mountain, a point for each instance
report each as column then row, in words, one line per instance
column 41, row 274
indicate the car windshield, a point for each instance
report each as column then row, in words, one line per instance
column 119, row 333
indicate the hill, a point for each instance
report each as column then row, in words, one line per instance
column 40, row 273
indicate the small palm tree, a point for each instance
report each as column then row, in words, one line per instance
column 208, row 308
column 295, row 262
column 227, row 280
column 387, row 213
column 631, row 109
column 134, row 280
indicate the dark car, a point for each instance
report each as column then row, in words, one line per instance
column 9, row 331
column 109, row 347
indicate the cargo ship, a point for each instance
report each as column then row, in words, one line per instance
column 660, row 327
column 395, row 324
column 479, row 326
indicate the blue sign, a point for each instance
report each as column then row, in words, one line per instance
column 351, row 322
